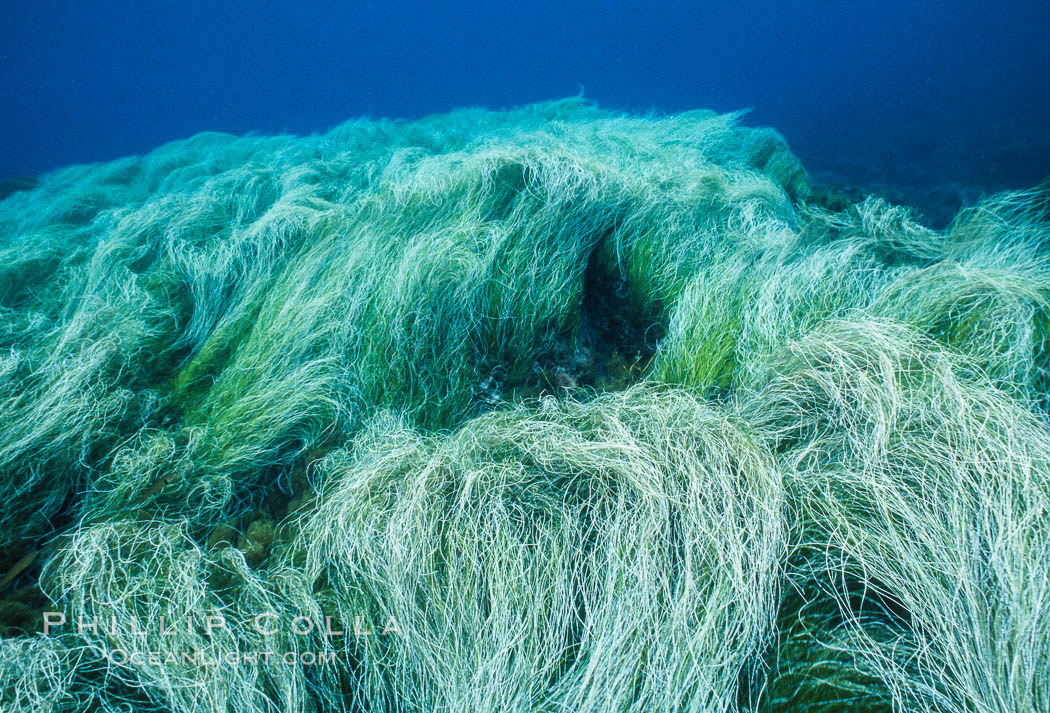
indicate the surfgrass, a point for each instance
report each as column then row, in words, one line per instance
column 604, row 411
column 921, row 489
column 563, row 556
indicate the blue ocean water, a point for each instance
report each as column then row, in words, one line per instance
column 921, row 95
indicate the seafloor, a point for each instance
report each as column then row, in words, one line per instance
column 548, row 409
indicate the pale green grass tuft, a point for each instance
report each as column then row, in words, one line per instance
column 926, row 490
column 616, row 555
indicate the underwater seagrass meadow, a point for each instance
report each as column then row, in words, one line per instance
column 608, row 413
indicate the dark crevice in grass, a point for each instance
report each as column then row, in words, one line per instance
column 812, row 665
column 609, row 351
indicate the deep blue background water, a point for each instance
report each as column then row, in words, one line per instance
column 904, row 91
